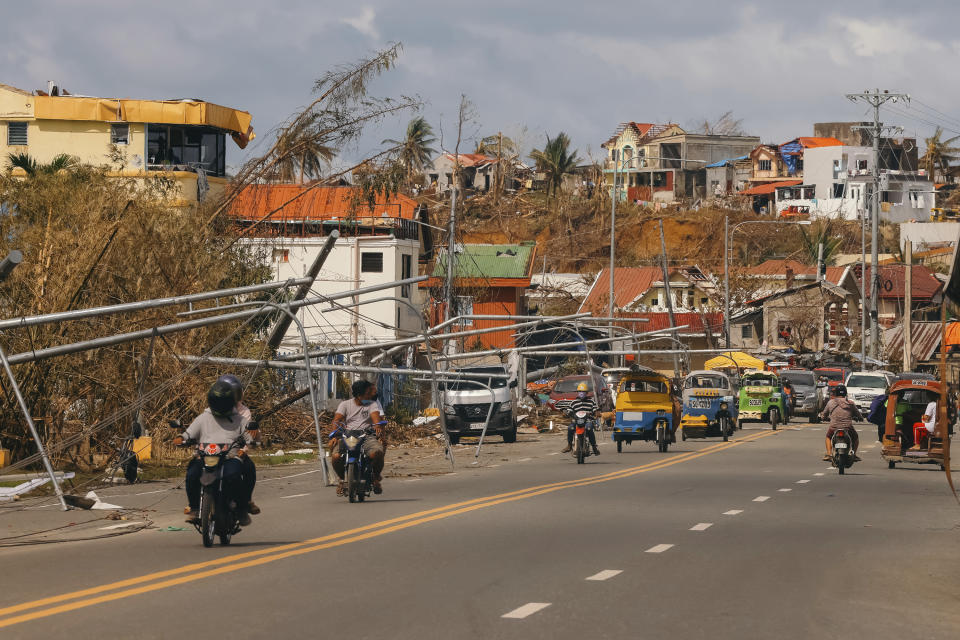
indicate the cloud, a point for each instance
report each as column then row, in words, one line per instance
column 364, row 23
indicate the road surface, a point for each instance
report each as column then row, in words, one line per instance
column 755, row 538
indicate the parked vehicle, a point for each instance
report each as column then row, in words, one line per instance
column 761, row 399
column 357, row 471
column 467, row 405
column 566, row 389
column 646, row 409
column 841, row 445
column 582, row 422
column 909, row 375
column 218, row 507
column 832, row 375
column 708, row 406
column 864, row 386
column 906, row 404
column 807, row 401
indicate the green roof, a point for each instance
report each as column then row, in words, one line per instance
column 489, row 261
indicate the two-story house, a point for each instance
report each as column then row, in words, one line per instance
column 182, row 140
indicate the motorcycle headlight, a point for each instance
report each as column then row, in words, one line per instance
column 449, row 410
column 352, row 441
column 723, row 405
column 775, row 396
column 211, row 461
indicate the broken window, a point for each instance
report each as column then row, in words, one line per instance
column 746, row 332
column 281, row 255
column 371, row 262
column 186, row 147
column 17, row 134
column 406, row 271
column 119, row 134
column 837, row 189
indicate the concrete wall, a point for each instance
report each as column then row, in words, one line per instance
column 924, row 233
column 340, row 273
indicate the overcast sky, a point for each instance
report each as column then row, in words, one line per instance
column 780, row 66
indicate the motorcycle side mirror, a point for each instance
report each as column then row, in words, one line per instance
column 513, row 384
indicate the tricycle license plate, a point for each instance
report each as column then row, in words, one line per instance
column 477, row 425
column 755, row 402
column 699, row 403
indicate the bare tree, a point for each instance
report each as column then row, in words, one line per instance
column 725, row 125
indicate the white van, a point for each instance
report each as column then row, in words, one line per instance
column 466, row 405
column 864, row 386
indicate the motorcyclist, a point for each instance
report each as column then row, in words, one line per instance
column 220, row 424
column 842, row 414
column 249, row 469
column 582, row 403
column 362, row 411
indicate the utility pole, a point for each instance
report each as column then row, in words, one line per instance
column 498, row 176
column 451, row 247
column 821, row 268
column 875, row 99
column 907, row 307
column 613, row 239
column 666, row 287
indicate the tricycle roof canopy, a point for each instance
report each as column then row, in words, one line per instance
column 734, row 358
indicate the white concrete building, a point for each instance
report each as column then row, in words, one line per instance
column 837, row 182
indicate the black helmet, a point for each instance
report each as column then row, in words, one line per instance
column 234, row 383
column 840, row 391
column 221, row 399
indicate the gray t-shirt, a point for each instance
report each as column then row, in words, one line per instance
column 207, row 428
column 357, row 416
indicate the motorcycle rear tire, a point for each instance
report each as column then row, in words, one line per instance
column 619, row 446
column 841, row 464
column 724, row 430
column 353, row 481
column 774, row 418
column 207, row 518
column 581, row 449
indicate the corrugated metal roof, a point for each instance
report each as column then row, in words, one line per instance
column 893, row 284
column 770, row 187
column 472, row 159
column 490, row 261
column 811, row 142
column 315, row 203
column 924, row 335
column 726, row 162
column 629, row 283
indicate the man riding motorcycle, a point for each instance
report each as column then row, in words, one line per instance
column 582, row 403
column 220, row 424
column 842, row 412
column 360, row 412
column 249, row 469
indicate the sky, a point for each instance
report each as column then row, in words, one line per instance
column 530, row 69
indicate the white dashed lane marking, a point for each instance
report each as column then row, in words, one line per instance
column 703, row 526
column 818, row 474
column 660, row 548
column 120, row 526
column 296, row 495
column 761, row 498
column 733, row 512
column 784, row 490
column 802, row 481
column 555, row 453
column 526, row 610
column 524, row 459
column 606, row 574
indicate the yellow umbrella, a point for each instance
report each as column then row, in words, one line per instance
column 734, row 358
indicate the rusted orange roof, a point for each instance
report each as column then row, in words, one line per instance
column 295, row 202
column 629, row 282
column 810, row 142
column 770, row 187
column 473, row 159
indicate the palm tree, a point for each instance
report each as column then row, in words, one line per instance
column 415, row 149
column 491, row 145
column 812, row 239
column 939, row 154
column 555, row 160
column 303, row 152
column 60, row 162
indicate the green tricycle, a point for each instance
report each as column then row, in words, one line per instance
column 762, row 399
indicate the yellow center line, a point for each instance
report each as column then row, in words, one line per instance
column 254, row 559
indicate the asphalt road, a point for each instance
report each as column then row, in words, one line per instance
column 755, row 538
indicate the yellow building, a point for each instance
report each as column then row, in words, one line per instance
column 183, row 140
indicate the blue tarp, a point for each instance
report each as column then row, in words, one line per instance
column 791, row 152
column 723, row 163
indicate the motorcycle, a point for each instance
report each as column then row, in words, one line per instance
column 663, row 431
column 842, row 446
column 219, row 516
column 358, row 471
column 581, row 422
